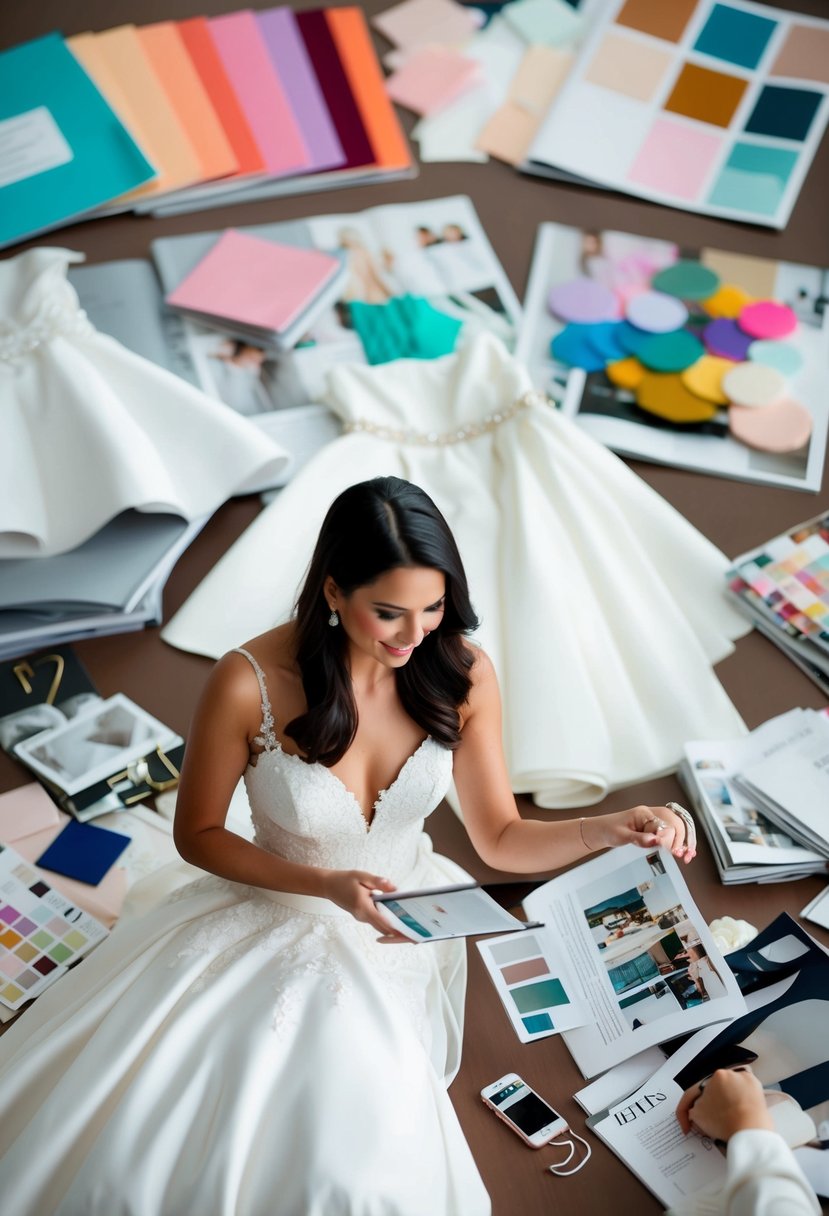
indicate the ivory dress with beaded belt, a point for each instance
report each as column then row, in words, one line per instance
column 601, row 607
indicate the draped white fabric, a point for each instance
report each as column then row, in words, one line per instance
column 234, row 1052
column 601, row 606
column 88, row 429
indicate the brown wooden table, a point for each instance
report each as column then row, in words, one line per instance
column 735, row 515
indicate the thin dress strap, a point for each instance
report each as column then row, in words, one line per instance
column 268, row 737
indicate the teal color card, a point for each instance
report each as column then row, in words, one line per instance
column 63, row 150
column 754, row 178
column 784, row 112
column 538, row 1022
column 735, row 35
column 543, row 995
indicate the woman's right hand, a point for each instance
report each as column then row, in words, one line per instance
column 351, row 890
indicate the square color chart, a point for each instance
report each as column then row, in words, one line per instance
column 717, row 106
column 790, row 574
column 533, row 985
column 41, row 932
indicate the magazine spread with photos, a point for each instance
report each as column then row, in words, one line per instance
column 630, row 948
column 610, row 412
column 421, row 272
column 783, row 1037
column 747, row 844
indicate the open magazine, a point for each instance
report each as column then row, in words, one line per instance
column 783, row 1037
column 749, row 842
column 624, row 957
column 434, row 252
column 610, row 414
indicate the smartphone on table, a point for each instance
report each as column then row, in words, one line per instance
column 533, row 1119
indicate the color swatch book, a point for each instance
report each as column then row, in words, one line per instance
column 715, row 106
column 783, row 587
column 63, row 149
column 316, row 106
column 261, row 290
column 701, row 359
column 41, row 932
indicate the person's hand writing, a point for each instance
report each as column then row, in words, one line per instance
column 730, row 1100
column 647, row 827
column 351, row 890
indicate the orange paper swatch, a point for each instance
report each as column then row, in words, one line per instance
column 164, row 47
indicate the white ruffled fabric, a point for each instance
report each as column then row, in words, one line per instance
column 601, row 607
column 88, row 429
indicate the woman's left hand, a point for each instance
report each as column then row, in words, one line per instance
column 647, row 827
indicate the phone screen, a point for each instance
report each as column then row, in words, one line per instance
column 524, row 1108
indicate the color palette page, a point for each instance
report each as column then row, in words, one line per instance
column 533, row 981
column 715, row 106
column 647, row 348
column 41, row 932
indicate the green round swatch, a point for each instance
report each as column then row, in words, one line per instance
column 670, row 352
column 781, row 356
column 686, row 279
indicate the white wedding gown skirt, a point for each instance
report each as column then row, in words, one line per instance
column 601, row 607
column 89, row 429
column 239, row 1053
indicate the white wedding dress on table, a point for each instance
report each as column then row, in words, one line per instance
column 89, row 429
column 235, row 1052
column 601, row 607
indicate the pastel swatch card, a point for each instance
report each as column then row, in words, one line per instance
column 64, row 151
column 280, row 32
column 84, row 852
column 714, row 106
column 256, row 282
column 259, row 90
column 41, row 932
column 431, row 78
column 508, row 132
column 532, row 980
column 420, row 22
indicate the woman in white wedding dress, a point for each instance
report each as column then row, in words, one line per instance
column 249, row 1047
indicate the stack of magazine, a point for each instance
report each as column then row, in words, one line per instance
column 763, row 800
column 783, row 587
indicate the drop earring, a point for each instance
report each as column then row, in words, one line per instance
column 334, row 618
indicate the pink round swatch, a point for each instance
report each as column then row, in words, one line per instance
column 782, row 427
column 656, row 312
column 767, row 319
column 753, row 385
column 583, row 300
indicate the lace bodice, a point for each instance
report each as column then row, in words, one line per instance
column 306, row 814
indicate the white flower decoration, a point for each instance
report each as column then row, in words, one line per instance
column 730, row 934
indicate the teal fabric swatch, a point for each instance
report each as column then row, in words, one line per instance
column 753, row 179
column 407, row 327
column 735, row 35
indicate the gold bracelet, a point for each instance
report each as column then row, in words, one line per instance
column 581, row 833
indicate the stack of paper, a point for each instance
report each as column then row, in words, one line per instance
column 260, row 290
column 763, row 800
column 184, row 114
column 783, row 587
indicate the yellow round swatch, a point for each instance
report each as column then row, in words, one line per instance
column 727, row 301
column 664, row 394
column 704, row 378
column 625, row 373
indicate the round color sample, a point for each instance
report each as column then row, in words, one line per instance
column 572, row 345
column 625, row 373
column 753, row 385
column 704, row 378
column 724, row 338
column 728, row 300
column 603, row 339
column 667, row 397
column 583, row 300
column 656, row 312
column 782, row 427
column 768, row 319
column 786, row 358
column 671, row 352
column 630, row 337
column 686, row 279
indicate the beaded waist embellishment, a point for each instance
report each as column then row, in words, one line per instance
column 439, row 439
column 49, row 321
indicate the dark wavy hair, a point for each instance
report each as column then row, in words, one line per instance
column 371, row 528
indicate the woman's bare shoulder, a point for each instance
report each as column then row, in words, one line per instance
column 483, row 669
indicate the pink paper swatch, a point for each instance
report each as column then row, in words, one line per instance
column 431, row 78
